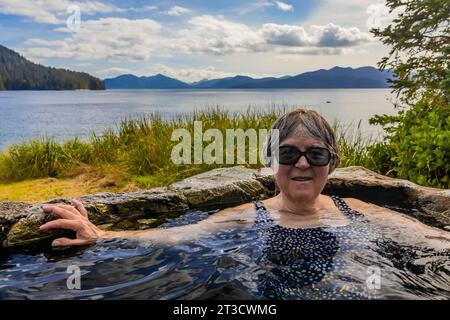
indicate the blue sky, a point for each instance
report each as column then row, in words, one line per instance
column 193, row 40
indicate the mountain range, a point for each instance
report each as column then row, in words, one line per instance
column 18, row 73
column 336, row 77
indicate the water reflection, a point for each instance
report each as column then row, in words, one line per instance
column 232, row 265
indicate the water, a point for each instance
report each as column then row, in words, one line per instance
column 230, row 265
column 66, row 114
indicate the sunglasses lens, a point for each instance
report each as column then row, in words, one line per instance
column 318, row 156
column 288, row 155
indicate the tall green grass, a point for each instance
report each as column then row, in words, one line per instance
column 142, row 148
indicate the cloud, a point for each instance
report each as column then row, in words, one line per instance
column 284, row 6
column 116, row 39
column 255, row 6
column 261, row 5
column 332, row 35
column 189, row 74
column 285, row 35
column 52, row 11
column 296, row 51
column 111, row 72
column 216, row 35
column 120, row 39
column 379, row 16
column 177, row 11
column 142, row 9
column 363, row 14
column 55, row 11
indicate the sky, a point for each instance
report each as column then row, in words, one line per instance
column 196, row 39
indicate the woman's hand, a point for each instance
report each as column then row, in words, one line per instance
column 75, row 218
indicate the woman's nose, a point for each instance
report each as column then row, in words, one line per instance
column 302, row 163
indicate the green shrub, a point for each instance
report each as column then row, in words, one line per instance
column 417, row 144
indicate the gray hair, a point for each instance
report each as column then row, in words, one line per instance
column 307, row 122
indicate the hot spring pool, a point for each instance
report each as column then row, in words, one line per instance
column 367, row 263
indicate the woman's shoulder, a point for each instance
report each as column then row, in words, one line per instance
column 357, row 204
column 245, row 206
column 369, row 208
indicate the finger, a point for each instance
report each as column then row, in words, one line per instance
column 74, row 225
column 64, row 242
column 72, row 209
column 80, row 207
column 60, row 212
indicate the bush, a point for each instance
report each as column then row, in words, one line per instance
column 418, row 147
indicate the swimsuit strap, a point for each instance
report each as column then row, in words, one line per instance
column 262, row 215
column 344, row 207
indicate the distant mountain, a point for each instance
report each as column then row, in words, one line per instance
column 129, row 81
column 230, row 82
column 337, row 77
column 17, row 73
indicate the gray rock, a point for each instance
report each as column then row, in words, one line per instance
column 429, row 205
column 116, row 210
column 10, row 213
column 223, row 187
column 435, row 205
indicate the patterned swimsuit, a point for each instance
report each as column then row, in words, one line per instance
column 295, row 257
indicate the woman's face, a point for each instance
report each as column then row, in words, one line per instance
column 287, row 176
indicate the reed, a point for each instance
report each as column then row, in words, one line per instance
column 141, row 147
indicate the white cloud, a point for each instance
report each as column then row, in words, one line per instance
column 285, row 35
column 111, row 72
column 261, row 5
column 177, row 11
column 115, row 39
column 284, row 6
column 55, row 11
column 52, row 11
column 188, row 74
column 215, row 35
column 332, row 35
column 378, row 16
column 356, row 13
column 119, row 39
column 142, row 9
column 255, row 6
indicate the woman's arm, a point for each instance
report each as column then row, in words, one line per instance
column 402, row 226
column 75, row 217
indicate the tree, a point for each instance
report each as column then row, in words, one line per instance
column 17, row 73
column 417, row 137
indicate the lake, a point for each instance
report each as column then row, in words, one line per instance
column 65, row 114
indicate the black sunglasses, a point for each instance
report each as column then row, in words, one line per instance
column 315, row 156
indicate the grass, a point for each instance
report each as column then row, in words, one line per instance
column 136, row 154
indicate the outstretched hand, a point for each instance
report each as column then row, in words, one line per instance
column 72, row 217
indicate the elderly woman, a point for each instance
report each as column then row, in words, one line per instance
column 308, row 153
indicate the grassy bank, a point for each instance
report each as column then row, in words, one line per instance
column 137, row 154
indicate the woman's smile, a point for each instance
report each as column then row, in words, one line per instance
column 302, row 179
